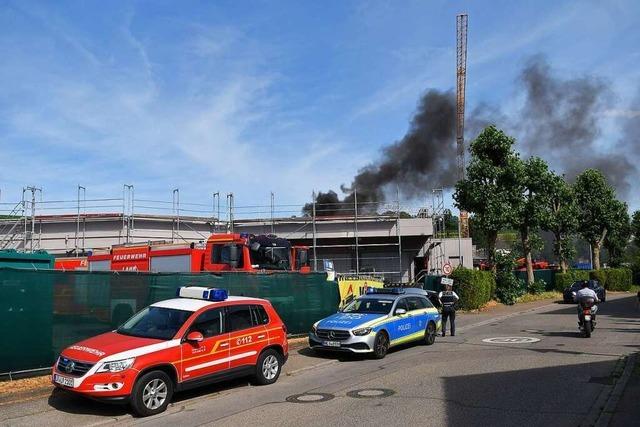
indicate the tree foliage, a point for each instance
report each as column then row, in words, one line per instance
column 534, row 181
column 488, row 189
column 635, row 227
column 597, row 207
column 562, row 219
column 619, row 233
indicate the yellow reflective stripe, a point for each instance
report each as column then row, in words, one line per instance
column 374, row 322
column 378, row 322
column 408, row 338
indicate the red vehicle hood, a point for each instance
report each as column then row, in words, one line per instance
column 97, row 348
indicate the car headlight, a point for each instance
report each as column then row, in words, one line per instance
column 362, row 331
column 314, row 329
column 117, row 365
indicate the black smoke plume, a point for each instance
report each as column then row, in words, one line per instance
column 560, row 122
column 425, row 158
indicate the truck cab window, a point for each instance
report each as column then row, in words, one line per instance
column 221, row 255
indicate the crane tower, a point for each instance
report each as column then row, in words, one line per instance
column 461, row 73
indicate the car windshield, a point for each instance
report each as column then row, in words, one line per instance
column 155, row 322
column 369, row 305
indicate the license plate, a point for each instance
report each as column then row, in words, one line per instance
column 331, row 343
column 587, row 317
column 63, row 380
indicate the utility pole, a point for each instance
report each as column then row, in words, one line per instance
column 127, row 210
column 33, row 191
column 176, row 211
column 398, row 231
column 355, row 209
column 216, row 201
column 230, row 207
column 313, row 223
column 84, row 190
column 272, row 202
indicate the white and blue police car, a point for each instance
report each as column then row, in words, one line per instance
column 378, row 320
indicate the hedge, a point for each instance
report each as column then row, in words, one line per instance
column 474, row 287
column 600, row 276
column 613, row 279
column 564, row 280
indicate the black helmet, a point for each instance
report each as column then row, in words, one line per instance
column 585, row 284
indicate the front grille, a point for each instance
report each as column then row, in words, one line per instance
column 338, row 335
column 78, row 368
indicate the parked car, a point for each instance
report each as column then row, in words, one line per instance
column 202, row 336
column 374, row 322
column 570, row 291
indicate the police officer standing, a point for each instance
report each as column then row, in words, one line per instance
column 448, row 300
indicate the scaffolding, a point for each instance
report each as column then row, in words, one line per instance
column 436, row 249
column 355, row 250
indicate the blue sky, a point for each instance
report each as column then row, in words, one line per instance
column 253, row 97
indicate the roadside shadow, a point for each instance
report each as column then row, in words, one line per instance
column 622, row 308
column 71, row 403
column 565, row 334
column 341, row 356
column 347, row 356
column 523, row 397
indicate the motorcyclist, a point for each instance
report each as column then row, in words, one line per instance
column 584, row 294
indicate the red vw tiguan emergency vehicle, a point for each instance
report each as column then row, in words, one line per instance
column 201, row 336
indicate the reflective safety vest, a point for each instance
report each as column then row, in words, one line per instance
column 448, row 299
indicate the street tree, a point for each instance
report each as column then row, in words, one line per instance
column 562, row 219
column 617, row 238
column 487, row 190
column 597, row 206
column 534, row 182
column 635, row 227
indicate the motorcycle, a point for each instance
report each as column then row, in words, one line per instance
column 586, row 316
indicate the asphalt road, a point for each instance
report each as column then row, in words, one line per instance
column 562, row 379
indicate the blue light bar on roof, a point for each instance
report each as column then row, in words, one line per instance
column 388, row 291
column 201, row 292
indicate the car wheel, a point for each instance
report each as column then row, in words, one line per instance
column 151, row 393
column 430, row 334
column 380, row 345
column 268, row 367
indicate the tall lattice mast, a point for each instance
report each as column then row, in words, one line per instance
column 461, row 73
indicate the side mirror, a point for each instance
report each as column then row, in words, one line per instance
column 255, row 246
column 401, row 311
column 303, row 258
column 194, row 337
column 233, row 255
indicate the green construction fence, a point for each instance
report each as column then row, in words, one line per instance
column 549, row 277
column 42, row 312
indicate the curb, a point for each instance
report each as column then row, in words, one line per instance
column 609, row 408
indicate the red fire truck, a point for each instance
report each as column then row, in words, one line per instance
column 71, row 263
column 222, row 252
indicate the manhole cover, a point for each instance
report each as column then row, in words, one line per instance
column 371, row 393
column 310, row 397
column 510, row 340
